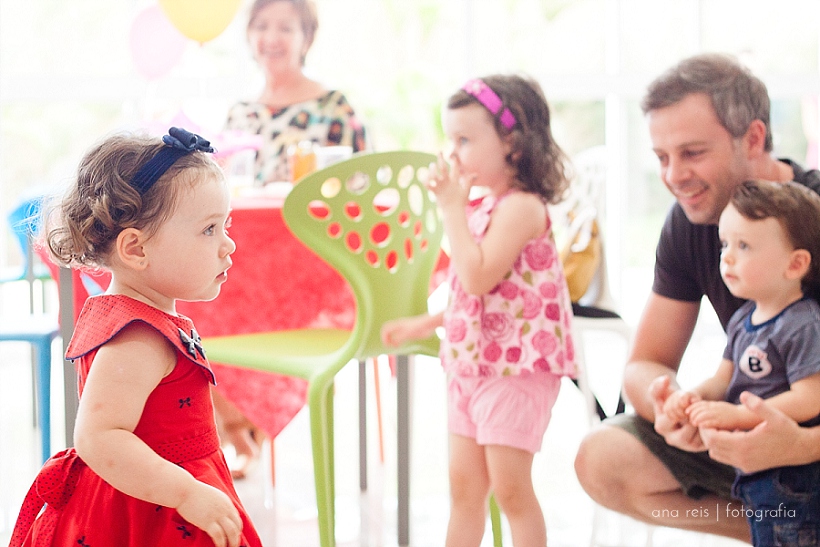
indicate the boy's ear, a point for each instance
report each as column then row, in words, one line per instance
column 129, row 248
column 799, row 264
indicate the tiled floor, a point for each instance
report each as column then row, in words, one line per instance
column 285, row 515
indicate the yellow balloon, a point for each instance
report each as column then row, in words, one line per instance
column 200, row 20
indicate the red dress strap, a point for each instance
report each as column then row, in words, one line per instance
column 106, row 315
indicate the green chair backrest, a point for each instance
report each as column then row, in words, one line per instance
column 372, row 219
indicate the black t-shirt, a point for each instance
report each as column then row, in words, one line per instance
column 687, row 259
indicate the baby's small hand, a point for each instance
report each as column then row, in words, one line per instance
column 677, row 403
column 212, row 511
column 714, row 414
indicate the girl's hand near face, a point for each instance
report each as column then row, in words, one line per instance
column 450, row 186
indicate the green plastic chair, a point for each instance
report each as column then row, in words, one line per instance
column 372, row 219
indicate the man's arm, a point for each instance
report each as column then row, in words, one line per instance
column 777, row 441
column 660, row 340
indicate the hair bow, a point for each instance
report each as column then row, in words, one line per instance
column 178, row 142
column 183, row 139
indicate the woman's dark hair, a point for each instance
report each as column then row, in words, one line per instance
column 541, row 166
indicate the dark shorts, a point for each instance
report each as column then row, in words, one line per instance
column 697, row 473
column 782, row 505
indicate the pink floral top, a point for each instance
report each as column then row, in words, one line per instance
column 523, row 324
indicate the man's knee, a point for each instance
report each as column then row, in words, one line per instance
column 601, row 463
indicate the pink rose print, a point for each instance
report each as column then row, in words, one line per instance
column 539, row 254
column 508, row 290
column 492, row 352
column 548, row 289
column 532, row 305
column 460, row 300
column 456, row 330
column 473, row 305
column 485, row 371
column 569, row 344
column 541, row 365
column 552, row 311
column 497, row 326
column 544, row 342
column 513, row 355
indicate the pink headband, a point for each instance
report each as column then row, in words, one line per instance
column 491, row 101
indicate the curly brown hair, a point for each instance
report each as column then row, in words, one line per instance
column 796, row 208
column 82, row 226
column 541, row 166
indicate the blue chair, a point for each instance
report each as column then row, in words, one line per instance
column 24, row 221
column 39, row 330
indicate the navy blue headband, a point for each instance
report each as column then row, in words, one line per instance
column 178, row 143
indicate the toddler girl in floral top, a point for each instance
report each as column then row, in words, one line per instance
column 508, row 324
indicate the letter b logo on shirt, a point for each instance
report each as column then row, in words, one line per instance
column 755, row 363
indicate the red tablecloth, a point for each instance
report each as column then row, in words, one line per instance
column 275, row 283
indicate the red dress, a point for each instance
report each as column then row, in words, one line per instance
column 82, row 510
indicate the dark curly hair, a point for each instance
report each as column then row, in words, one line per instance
column 541, row 166
column 82, row 226
column 796, row 208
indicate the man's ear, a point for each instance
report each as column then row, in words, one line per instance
column 129, row 248
column 755, row 138
column 799, row 264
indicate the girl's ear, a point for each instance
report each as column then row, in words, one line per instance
column 799, row 264
column 509, row 144
column 129, row 248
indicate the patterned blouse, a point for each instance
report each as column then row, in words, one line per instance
column 523, row 324
column 327, row 121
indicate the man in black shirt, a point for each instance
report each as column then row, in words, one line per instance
column 709, row 125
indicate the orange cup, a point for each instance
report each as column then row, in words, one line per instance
column 301, row 160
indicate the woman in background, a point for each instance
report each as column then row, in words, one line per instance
column 291, row 108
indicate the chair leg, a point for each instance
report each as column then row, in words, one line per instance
column 43, row 379
column 321, row 425
column 495, row 520
column 378, row 385
column 363, row 426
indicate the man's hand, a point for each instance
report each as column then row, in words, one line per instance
column 775, row 442
column 678, row 433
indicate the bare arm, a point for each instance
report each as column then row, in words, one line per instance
column 660, row 340
column 777, row 441
column 124, row 373
column 398, row 332
column 800, row 403
column 481, row 266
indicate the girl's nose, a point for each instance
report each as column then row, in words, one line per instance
column 229, row 247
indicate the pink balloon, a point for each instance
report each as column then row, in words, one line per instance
column 156, row 45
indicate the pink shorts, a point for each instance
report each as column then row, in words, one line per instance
column 508, row 411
